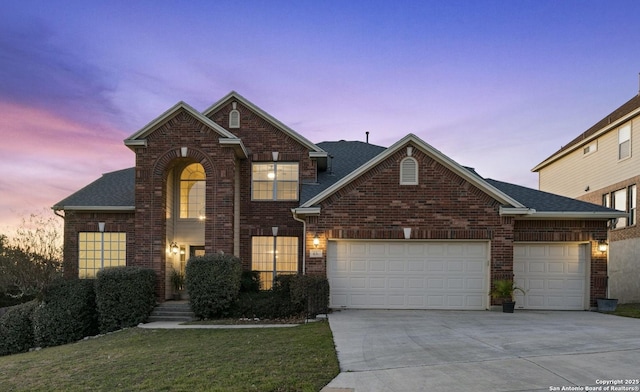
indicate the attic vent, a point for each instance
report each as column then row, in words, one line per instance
column 409, row 171
column 234, row 117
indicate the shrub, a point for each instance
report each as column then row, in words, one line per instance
column 291, row 296
column 213, row 284
column 67, row 313
column 16, row 329
column 312, row 292
column 125, row 297
column 250, row 282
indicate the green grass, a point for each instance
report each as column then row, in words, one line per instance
column 628, row 310
column 299, row 358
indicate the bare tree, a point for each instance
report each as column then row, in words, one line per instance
column 32, row 258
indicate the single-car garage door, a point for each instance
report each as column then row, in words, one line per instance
column 552, row 274
column 408, row 274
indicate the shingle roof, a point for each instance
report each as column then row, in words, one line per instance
column 544, row 201
column 114, row 189
column 344, row 157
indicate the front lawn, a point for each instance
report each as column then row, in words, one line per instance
column 299, row 358
column 628, row 310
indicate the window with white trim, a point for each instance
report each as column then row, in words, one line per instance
column 409, row 171
column 623, row 200
column 274, row 181
column 624, row 141
column 234, row 119
column 273, row 256
column 97, row 250
column 633, row 195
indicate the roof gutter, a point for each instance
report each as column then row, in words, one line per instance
column 94, row 208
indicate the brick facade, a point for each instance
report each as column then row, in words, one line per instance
column 443, row 206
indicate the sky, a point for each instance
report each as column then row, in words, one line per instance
column 495, row 85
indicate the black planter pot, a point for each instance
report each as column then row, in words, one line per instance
column 508, row 307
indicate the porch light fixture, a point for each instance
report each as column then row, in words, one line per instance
column 316, row 241
column 603, row 246
column 174, row 248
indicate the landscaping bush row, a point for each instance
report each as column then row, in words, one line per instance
column 69, row 310
column 292, row 296
column 218, row 288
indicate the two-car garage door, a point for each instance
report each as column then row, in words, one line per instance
column 408, row 274
column 451, row 275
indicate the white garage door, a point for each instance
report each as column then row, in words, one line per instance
column 553, row 276
column 408, row 274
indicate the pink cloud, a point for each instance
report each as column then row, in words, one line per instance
column 45, row 157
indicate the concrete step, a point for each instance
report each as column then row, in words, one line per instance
column 172, row 311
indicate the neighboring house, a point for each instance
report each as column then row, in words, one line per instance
column 397, row 227
column 602, row 165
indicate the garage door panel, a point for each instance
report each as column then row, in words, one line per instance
column 399, row 274
column 553, row 276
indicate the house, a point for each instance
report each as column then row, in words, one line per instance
column 602, row 165
column 397, row 227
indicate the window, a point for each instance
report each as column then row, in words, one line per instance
column 192, row 192
column 590, row 149
column 234, row 119
column 409, row 171
column 624, row 141
column 262, row 258
column 623, row 200
column 632, row 205
column 98, row 250
column 274, row 181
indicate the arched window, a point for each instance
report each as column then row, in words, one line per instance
column 234, row 119
column 192, row 192
column 409, row 171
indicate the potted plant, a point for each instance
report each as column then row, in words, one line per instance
column 607, row 304
column 504, row 290
column 177, row 283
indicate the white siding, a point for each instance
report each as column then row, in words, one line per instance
column 571, row 175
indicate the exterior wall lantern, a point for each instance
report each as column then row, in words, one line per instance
column 174, row 248
column 603, row 246
column 316, row 241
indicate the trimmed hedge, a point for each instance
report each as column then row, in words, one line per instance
column 292, row 296
column 66, row 314
column 16, row 329
column 213, row 284
column 125, row 297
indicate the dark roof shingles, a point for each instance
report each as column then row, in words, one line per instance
column 114, row 189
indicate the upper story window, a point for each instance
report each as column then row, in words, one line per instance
column 192, row 192
column 409, row 171
column 624, row 141
column 234, row 116
column 274, row 181
column 590, row 149
column 624, row 200
column 234, row 119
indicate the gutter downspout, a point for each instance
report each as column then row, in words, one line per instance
column 304, row 241
column 56, row 212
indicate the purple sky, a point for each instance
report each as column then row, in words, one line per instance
column 495, row 85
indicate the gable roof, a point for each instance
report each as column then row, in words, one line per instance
column 431, row 152
column 628, row 110
column 315, row 151
column 114, row 191
column 549, row 205
column 343, row 158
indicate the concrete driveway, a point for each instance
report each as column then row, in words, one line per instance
column 397, row 350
